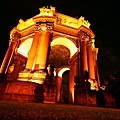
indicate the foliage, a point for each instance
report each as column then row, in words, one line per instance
column 108, row 61
column 112, row 83
column 38, row 111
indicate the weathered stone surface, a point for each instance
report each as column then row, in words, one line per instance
column 20, row 91
column 50, row 94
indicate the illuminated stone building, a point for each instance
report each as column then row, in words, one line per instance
column 30, row 74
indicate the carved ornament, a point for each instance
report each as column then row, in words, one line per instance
column 83, row 36
column 46, row 11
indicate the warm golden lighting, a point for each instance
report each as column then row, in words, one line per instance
column 65, row 20
column 47, row 12
column 67, row 43
column 24, row 48
column 93, row 85
column 83, row 22
column 73, row 22
column 93, row 43
column 62, row 71
column 36, row 77
column 24, row 24
column 73, row 95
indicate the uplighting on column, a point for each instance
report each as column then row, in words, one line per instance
column 91, row 68
column 42, row 52
column 26, row 74
column 32, row 52
column 84, row 38
column 43, row 46
column 9, row 54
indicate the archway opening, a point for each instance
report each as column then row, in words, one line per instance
column 24, row 48
column 65, row 87
column 59, row 56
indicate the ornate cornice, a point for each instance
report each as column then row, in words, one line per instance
column 13, row 31
column 27, row 31
column 44, row 19
column 65, row 29
column 87, row 31
column 62, row 23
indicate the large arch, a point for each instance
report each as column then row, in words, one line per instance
column 62, row 70
column 65, row 42
column 59, row 75
column 73, row 49
column 25, row 47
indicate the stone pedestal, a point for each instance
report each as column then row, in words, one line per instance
column 2, row 88
column 20, row 91
column 50, row 94
column 85, row 96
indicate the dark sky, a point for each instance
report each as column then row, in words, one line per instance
column 103, row 16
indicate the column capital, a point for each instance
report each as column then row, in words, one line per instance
column 84, row 36
column 37, row 28
column 43, row 26
column 15, row 37
column 89, row 43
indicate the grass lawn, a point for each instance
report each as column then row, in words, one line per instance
column 38, row 111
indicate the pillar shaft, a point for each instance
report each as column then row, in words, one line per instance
column 97, row 73
column 84, row 62
column 8, row 57
column 79, row 61
column 33, row 49
column 59, row 85
column 90, row 62
column 95, row 52
column 42, row 51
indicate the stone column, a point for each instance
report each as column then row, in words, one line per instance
column 32, row 52
column 58, row 86
column 91, row 67
column 95, row 52
column 84, row 39
column 25, row 75
column 79, row 61
column 42, row 53
column 44, row 43
column 9, row 54
column 90, row 61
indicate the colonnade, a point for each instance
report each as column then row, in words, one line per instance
column 14, row 42
column 35, row 69
column 88, row 60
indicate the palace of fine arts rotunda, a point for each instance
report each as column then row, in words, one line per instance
column 41, row 50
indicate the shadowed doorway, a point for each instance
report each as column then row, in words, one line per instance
column 65, row 87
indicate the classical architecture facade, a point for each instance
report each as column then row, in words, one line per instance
column 30, row 76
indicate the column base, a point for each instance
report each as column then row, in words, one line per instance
column 24, row 76
column 36, row 77
column 39, row 77
column 49, row 94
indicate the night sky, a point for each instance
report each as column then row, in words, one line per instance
column 103, row 16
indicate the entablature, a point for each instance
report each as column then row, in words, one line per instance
column 61, row 23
